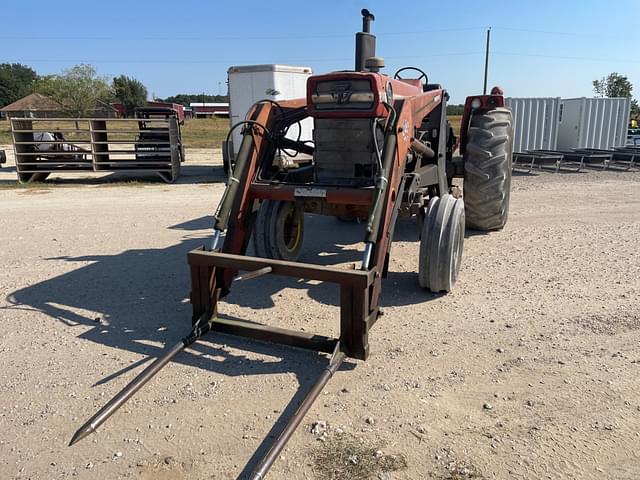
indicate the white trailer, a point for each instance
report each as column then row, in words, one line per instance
column 251, row 83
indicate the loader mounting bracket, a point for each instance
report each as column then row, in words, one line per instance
column 356, row 318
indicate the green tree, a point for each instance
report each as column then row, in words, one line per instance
column 455, row 109
column 130, row 92
column 187, row 98
column 78, row 90
column 16, row 81
column 615, row 85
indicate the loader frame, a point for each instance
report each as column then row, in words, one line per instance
column 356, row 317
column 213, row 272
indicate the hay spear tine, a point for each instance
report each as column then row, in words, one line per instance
column 201, row 327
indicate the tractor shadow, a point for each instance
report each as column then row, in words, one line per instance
column 137, row 301
column 151, row 287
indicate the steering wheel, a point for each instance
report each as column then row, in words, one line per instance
column 422, row 74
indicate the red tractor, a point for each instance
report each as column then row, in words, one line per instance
column 382, row 149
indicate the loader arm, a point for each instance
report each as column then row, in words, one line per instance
column 410, row 113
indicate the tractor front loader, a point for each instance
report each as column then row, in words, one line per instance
column 382, row 149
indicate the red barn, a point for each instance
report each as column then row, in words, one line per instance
column 207, row 109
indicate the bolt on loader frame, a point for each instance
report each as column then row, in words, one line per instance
column 411, row 167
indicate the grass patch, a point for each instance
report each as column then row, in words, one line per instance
column 196, row 132
column 455, row 120
column 101, row 182
column 10, row 185
column 5, row 132
column 453, row 468
column 128, row 183
column 461, row 471
column 345, row 457
column 204, row 132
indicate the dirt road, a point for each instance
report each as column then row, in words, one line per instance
column 528, row 369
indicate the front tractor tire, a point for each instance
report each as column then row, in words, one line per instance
column 441, row 244
column 279, row 230
column 487, row 170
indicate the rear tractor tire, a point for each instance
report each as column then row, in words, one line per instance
column 279, row 230
column 441, row 244
column 487, row 170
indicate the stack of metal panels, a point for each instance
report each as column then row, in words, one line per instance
column 560, row 124
column 535, row 123
column 593, row 122
column 574, row 131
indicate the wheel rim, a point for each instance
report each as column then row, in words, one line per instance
column 457, row 248
column 292, row 230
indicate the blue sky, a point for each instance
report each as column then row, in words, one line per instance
column 539, row 48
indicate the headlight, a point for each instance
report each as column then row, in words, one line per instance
column 476, row 103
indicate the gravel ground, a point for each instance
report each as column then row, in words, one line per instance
column 528, row 369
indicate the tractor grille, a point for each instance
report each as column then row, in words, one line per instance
column 344, row 151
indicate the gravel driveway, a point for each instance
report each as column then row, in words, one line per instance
column 528, row 369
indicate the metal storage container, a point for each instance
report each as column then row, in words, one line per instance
column 535, row 123
column 593, row 122
column 250, row 83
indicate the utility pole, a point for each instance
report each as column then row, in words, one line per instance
column 486, row 62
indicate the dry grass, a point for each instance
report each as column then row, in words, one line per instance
column 97, row 182
column 196, row 133
column 37, row 186
column 5, row 132
column 345, row 457
column 204, row 132
column 461, row 471
column 455, row 122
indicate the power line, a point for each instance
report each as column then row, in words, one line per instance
column 230, row 62
column 564, row 33
column 565, row 57
column 236, row 61
column 165, row 61
column 301, row 36
column 235, row 38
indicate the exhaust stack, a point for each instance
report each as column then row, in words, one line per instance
column 365, row 41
